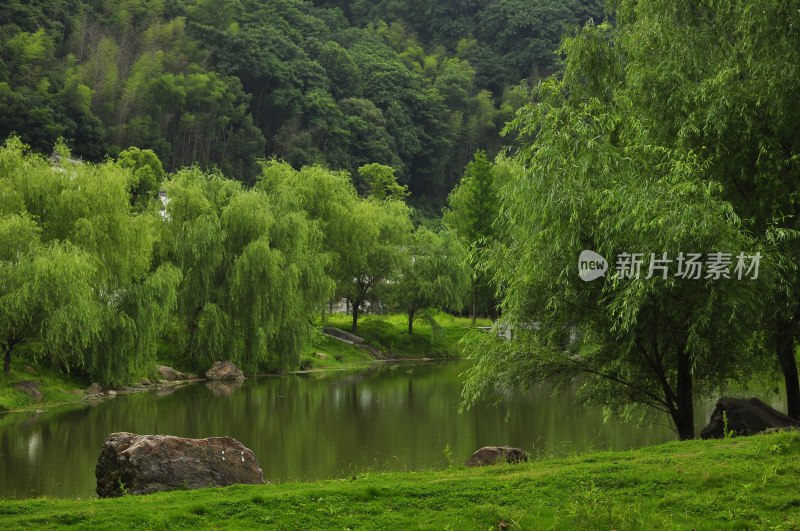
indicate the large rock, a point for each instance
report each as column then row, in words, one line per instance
column 143, row 464
column 744, row 417
column 492, row 455
column 169, row 374
column 224, row 370
column 31, row 389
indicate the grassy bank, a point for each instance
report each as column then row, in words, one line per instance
column 55, row 387
column 734, row 483
column 390, row 334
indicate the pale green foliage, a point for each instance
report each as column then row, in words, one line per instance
column 254, row 273
column 363, row 238
column 376, row 252
column 328, row 198
column 78, row 265
column 435, row 275
column 146, row 172
column 381, row 182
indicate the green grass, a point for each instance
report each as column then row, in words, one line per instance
column 390, row 334
column 735, row 483
column 340, row 355
column 56, row 388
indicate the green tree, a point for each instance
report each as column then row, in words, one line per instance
column 375, row 252
column 594, row 179
column 435, row 276
column 146, row 171
column 381, row 183
column 254, row 272
column 473, row 210
column 731, row 100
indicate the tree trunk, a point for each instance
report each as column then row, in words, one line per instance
column 784, row 349
column 7, row 360
column 684, row 408
column 474, row 304
column 410, row 322
column 356, row 304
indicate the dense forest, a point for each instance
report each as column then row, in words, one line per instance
column 242, row 165
column 417, row 86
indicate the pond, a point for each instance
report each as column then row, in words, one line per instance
column 317, row 426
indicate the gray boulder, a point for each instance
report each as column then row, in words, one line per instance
column 492, row 455
column 143, row 464
column 745, row 417
column 224, row 370
column 169, row 374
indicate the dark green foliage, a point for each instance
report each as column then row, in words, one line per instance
column 222, row 84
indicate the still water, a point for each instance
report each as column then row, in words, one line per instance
column 308, row 427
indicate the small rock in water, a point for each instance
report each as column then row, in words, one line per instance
column 111, row 392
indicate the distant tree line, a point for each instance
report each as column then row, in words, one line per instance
column 221, row 84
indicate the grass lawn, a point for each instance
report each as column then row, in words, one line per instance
column 338, row 355
column 733, row 483
column 390, row 334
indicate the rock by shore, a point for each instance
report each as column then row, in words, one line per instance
column 143, row 464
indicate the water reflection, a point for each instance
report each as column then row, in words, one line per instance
column 313, row 427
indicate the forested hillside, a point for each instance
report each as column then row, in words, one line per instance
column 419, row 86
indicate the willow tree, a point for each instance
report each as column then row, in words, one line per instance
column 592, row 178
column 722, row 79
column 376, row 252
column 329, row 199
column 364, row 239
column 435, row 276
column 254, row 272
column 94, row 299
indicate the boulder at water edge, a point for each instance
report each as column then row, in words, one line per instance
column 169, row 374
column 143, row 464
column 492, row 455
column 224, row 370
column 744, row 417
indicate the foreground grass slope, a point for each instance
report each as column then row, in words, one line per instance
column 734, row 483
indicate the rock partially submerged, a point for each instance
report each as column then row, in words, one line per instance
column 143, row 464
column 492, row 455
column 745, row 417
column 225, row 371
